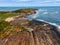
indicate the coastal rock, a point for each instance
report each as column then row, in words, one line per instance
column 43, row 34
column 35, row 33
column 37, row 37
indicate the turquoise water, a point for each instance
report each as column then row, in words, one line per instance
column 49, row 14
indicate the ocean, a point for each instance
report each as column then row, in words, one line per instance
column 8, row 8
column 47, row 14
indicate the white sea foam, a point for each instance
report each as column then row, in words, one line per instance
column 54, row 24
column 45, row 13
column 37, row 14
column 56, row 12
column 42, row 10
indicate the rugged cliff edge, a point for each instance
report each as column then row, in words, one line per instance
column 29, row 32
column 42, row 34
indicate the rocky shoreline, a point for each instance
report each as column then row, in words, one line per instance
column 42, row 34
column 36, row 33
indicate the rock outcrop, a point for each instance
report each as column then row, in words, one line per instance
column 36, row 32
column 42, row 34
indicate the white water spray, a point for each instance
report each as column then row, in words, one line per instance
column 54, row 24
column 35, row 15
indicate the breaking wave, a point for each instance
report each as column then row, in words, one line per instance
column 54, row 24
column 35, row 16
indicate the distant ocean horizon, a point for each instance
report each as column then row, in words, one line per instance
column 16, row 8
column 48, row 14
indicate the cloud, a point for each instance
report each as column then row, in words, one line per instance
column 24, row 0
column 21, row 0
column 29, row 2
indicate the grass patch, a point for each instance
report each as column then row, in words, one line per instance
column 8, row 29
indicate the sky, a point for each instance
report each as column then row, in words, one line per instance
column 21, row 3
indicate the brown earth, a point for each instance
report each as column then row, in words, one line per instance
column 42, row 34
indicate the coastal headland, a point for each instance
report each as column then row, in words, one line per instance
column 16, row 29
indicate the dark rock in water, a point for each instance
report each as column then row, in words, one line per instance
column 42, row 34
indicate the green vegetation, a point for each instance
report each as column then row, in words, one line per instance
column 23, row 27
column 4, row 15
column 26, row 10
column 7, row 28
column 3, row 24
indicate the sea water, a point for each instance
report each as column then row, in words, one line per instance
column 46, row 14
